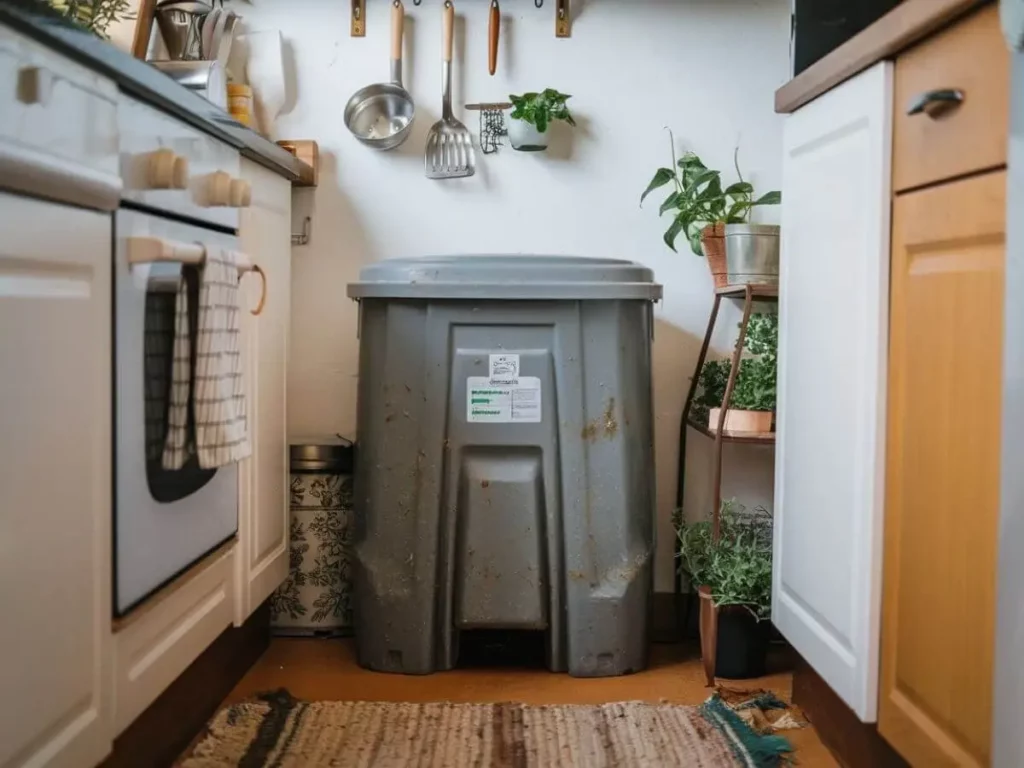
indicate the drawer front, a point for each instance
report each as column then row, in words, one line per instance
column 153, row 647
column 146, row 131
column 58, row 125
column 957, row 138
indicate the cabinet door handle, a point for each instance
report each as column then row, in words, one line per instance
column 936, row 103
column 263, row 295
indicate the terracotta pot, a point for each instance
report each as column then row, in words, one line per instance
column 741, row 421
column 712, row 242
column 708, row 633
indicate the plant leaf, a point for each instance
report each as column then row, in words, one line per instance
column 661, row 178
column 740, row 188
column 669, row 204
column 673, row 231
column 770, row 198
column 702, row 178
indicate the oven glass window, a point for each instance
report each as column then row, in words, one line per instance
column 168, row 485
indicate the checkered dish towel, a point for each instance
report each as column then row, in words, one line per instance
column 216, row 386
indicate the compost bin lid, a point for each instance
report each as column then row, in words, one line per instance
column 505, row 277
column 328, row 455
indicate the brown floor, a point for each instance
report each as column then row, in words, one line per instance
column 326, row 670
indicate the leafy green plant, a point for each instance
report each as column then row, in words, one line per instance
column 541, row 109
column 756, row 379
column 738, row 567
column 94, row 15
column 698, row 199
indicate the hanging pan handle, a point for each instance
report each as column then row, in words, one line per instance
column 448, row 29
column 494, row 32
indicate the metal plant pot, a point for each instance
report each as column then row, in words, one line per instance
column 752, row 253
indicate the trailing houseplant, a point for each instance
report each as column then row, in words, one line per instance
column 93, row 15
column 532, row 114
column 703, row 211
column 735, row 573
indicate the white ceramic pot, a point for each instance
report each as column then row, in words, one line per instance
column 525, row 137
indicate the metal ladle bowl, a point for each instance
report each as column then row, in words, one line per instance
column 381, row 115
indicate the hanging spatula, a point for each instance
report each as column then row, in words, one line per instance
column 449, row 153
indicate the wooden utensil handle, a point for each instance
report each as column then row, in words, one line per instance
column 495, row 30
column 397, row 29
column 447, row 29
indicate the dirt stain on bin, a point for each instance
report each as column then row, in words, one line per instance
column 606, row 425
column 485, row 483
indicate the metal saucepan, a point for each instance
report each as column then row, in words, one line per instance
column 381, row 115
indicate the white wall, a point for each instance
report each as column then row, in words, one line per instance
column 707, row 68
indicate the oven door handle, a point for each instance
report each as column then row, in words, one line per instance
column 146, row 250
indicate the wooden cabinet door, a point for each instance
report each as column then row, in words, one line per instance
column 265, row 235
column 55, row 483
column 942, row 487
column 832, row 319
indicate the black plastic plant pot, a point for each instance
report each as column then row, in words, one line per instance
column 742, row 643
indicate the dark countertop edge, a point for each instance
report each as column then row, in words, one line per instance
column 903, row 26
column 139, row 79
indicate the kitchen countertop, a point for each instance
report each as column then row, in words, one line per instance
column 144, row 82
column 903, row 26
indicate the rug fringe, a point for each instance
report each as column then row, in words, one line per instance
column 750, row 747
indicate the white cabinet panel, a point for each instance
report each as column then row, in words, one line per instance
column 58, row 126
column 265, row 235
column 833, row 315
column 156, row 644
column 55, row 483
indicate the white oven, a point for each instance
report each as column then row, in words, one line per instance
column 180, row 191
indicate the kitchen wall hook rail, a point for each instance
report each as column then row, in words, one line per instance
column 563, row 16
column 358, row 18
column 302, row 238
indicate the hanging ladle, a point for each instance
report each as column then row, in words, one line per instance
column 381, row 115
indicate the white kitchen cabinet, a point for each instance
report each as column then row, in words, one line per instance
column 265, row 235
column 158, row 641
column 55, row 483
column 833, row 325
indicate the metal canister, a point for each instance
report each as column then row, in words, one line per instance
column 316, row 598
column 752, row 253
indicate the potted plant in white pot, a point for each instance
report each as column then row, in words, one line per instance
column 752, row 406
column 735, row 574
column 716, row 221
column 532, row 115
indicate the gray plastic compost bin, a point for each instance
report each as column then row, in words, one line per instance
column 506, row 471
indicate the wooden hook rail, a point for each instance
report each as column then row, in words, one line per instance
column 563, row 16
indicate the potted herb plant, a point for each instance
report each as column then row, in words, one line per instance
column 94, row 15
column 532, row 113
column 716, row 221
column 752, row 406
column 735, row 574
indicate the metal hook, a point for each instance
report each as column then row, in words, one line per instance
column 416, row 2
column 538, row 3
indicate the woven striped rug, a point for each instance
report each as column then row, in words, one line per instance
column 281, row 732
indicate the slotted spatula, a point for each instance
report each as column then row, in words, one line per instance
column 449, row 153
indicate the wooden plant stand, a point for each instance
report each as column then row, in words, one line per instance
column 749, row 294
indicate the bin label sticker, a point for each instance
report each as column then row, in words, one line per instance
column 490, row 403
column 504, row 369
